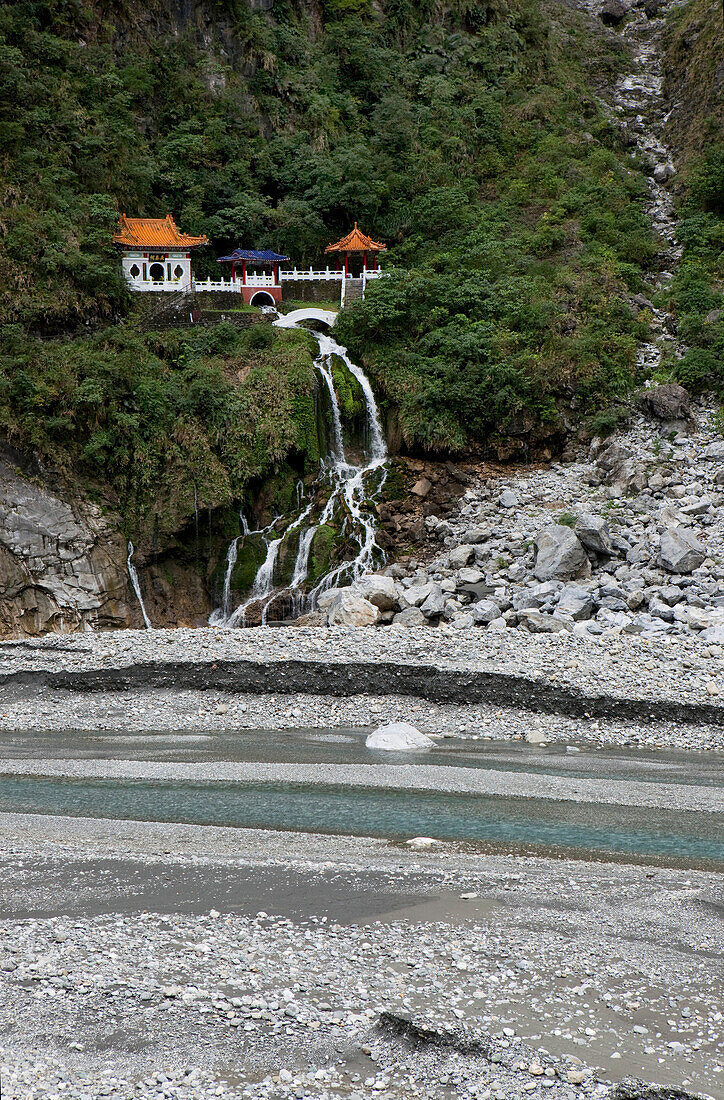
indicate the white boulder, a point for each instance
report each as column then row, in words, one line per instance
column 399, row 737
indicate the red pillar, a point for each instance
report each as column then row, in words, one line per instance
column 243, row 272
column 276, row 274
column 346, row 264
column 364, row 262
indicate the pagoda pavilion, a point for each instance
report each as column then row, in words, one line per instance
column 156, row 255
column 257, row 287
column 354, row 246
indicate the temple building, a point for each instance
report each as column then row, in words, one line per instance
column 356, row 247
column 156, row 255
column 258, row 287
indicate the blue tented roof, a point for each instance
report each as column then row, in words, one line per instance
column 248, row 254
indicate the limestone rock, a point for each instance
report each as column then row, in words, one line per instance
column 680, row 551
column 326, row 599
column 485, row 611
column 576, row 602
column 62, row 563
column 415, row 595
column 540, row 623
column 593, row 532
column 399, row 737
column 434, row 605
column 411, row 616
column 349, row 609
column 381, row 591
column 560, row 554
column 460, row 556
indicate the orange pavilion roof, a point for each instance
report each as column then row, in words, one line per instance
column 356, row 241
column 153, row 233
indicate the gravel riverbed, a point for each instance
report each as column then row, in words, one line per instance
column 160, row 974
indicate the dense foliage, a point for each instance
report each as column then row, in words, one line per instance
column 469, row 138
column 698, row 288
column 163, row 423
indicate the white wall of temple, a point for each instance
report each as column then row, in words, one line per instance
column 153, row 271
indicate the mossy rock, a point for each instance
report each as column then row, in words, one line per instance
column 320, row 555
column 251, row 553
column 286, row 558
column 395, row 486
column 350, row 395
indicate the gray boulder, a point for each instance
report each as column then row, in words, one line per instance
column 593, row 532
column 435, row 603
column 559, row 554
column 381, row 591
column 666, row 402
column 411, row 616
column 680, row 551
column 470, row 575
column 538, row 622
column 575, row 602
column 476, row 535
column 484, row 612
column 509, row 499
column 326, row 599
column 415, row 595
column 460, row 556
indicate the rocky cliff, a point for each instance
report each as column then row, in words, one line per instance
column 62, row 561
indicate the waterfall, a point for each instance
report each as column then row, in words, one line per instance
column 323, row 364
column 262, row 587
column 348, row 487
column 136, row 586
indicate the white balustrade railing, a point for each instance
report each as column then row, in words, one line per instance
column 217, row 284
column 310, row 273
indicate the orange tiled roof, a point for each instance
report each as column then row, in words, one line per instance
column 356, row 241
column 154, row 233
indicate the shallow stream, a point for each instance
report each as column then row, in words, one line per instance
column 501, row 822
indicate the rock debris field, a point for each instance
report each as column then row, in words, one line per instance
column 628, row 538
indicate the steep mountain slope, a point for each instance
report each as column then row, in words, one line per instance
column 470, row 136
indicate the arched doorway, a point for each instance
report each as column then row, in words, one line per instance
column 156, row 273
column 261, row 298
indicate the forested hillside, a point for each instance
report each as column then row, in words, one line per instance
column 694, row 85
column 469, row 136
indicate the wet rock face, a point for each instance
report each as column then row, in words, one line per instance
column 62, row 565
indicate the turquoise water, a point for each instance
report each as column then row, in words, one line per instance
column 541, row 823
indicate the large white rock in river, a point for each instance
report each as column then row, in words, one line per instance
column 399, row 737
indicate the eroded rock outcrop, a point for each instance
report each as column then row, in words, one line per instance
column 62, row 564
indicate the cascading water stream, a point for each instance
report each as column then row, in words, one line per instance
column 136, row 585
column 349, row 487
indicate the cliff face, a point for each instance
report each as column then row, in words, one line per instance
column 62, row 562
